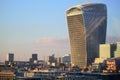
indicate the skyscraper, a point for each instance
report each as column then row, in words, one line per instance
column 87, row 29
column 117, row 51
column 10, row 57
column 107, row 50
column 34, row 57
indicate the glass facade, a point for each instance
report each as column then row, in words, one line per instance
column 34, row 56
column 87, row 29
column 10, row 57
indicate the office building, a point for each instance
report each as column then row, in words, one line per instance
column 117, row 51
column 97, row 65
column 34, row 57
column 110, row 50
column 51, row 60
column 10, row 57
column 59, row 60
column 87, row 29
column 66, row 59
column 7, row 75
column 107, row 50
column 112, row 65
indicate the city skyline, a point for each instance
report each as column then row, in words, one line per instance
column 28, row 27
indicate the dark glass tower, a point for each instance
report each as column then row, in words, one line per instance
column 87, row 29
column 34, row 57
column 10, row 57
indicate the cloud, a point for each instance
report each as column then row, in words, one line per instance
column 52, row 41
column 44, row 40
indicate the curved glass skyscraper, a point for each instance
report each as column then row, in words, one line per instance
column 87, row 29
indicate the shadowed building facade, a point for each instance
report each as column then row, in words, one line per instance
column 87, row 29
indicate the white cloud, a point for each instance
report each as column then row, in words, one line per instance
column 49, row 41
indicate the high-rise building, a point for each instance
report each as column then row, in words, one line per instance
column 106, row 50
column 34, row 57
column 51, row 60
column 109, row 50
column 66, row 59
column 10, row 57
column 117, row 51
column 87, row 29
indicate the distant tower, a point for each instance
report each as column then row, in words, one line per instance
column 87, row 29
column 10, row 57
column 107, row 50
column 34, row 57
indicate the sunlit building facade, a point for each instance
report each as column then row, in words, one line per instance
column 87, row 29
column 117, row 51
column 107, row 50
column 7, row 75
column 10, row 57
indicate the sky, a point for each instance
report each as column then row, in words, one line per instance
column 39, row 26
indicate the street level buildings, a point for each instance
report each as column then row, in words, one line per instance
column 109, row 55
column 87, row 29
column 7, row 75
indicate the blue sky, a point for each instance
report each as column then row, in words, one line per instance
column 39, row 26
